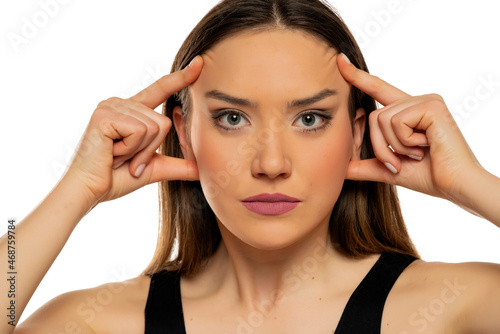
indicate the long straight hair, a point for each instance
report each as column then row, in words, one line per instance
column 366, row 218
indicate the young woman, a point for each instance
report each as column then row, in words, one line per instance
column 277, row 189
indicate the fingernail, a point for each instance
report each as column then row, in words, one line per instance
column 118, row 165
column 416, row 157
column 346, row 59
column 139, row 170
column 191, row 62
column 391, row 168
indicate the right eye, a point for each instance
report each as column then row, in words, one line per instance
column 230, row 120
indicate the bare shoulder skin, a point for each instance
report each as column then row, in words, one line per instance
column 436, row 297
column 109, row 308
column 429, row 297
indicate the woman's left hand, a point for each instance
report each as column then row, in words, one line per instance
column 429, row 153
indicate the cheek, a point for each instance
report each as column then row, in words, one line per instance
column 218, row 159
column 332, row 169
column 333, row 158
column 324, row 166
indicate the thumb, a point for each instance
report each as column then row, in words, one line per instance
column 369, row 170
column 164, row 168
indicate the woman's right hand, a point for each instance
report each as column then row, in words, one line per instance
column 117, row 153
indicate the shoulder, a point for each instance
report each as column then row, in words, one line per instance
column 463, row 296
column 101, row 309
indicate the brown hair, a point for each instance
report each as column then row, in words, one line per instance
column 366, row 218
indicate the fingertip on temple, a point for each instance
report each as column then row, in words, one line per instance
column 346, row 59
column 345, row 67
column 193, row 70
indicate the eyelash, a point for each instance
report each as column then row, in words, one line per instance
column 324, row 116
column 327, row 118
column 216, row 117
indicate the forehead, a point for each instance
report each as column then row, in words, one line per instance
column 284, row 63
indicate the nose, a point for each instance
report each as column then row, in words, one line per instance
column 271, row 159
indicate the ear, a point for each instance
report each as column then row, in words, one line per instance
column 180, row 127
column 358, row 132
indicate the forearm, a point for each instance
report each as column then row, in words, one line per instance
column 39, row 238
column 480, row 195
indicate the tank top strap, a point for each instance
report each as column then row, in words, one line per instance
column 363, row 312
column 164, row 305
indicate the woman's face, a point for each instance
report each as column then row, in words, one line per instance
column 270, row 116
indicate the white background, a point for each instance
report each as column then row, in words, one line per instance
column 87, row 51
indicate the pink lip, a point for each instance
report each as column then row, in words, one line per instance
column 270, row 204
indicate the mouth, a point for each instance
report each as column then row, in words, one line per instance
column 271, row 204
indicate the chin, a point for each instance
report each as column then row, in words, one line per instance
column 267, row 234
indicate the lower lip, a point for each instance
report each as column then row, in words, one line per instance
column 270, row 208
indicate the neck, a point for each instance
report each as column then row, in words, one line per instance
column 266, row 277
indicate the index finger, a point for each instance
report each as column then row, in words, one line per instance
column 377, row 88
column 160, row 90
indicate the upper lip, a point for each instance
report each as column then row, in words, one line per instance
column 277, row 197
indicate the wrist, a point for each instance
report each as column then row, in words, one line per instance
column 75, row 194
column 479, row 193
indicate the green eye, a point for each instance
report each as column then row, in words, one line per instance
column 233, row 119
column 311, row 121
column 230, row 120
column 308, row 120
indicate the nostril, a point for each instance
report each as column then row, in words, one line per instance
column 271, row 159
column 272, row 166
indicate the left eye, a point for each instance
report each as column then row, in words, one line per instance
column 309, row 120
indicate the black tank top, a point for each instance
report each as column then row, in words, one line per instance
column 362, row 314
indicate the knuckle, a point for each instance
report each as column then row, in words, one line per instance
column 373, row 117
column 395, row 122
column 436, row 97
column 101, row 117
column 109, row 104
column 153, row 129
column 384, row 118
column 115, row 101
column 434, row 101
column 398, row 122
column 141, row 129
column 101, row 109
column 101, row 104
column 166, row 123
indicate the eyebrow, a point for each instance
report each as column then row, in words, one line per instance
column 218, row 95
column 313, row 99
